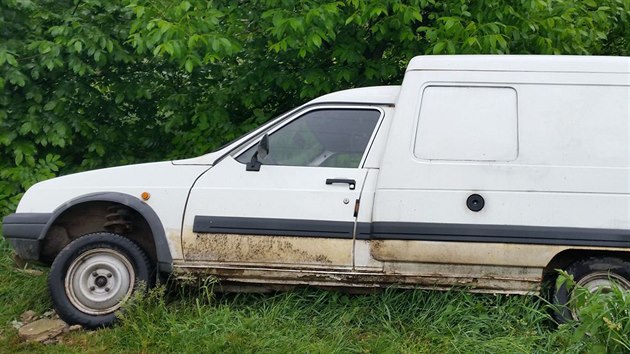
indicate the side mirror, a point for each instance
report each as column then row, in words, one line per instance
column 263, row 147
column 261, row 151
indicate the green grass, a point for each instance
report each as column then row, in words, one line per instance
column 187, row 319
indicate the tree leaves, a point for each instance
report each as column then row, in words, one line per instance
column 100, row 83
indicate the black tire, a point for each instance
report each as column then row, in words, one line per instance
column 586, row 272
column 92, row 276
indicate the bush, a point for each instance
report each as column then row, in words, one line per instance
column 604, row 318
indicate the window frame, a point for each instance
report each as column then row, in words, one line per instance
column 242, row 148
column 440, row 84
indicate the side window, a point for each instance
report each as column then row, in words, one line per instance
column 324, row 137
column 467, row 124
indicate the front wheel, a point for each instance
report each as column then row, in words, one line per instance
column 593, row 274
column 93, row 275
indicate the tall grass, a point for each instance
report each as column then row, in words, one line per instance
column 19, row 290
column 309, row 320
column 179, row 318
column 604, row 325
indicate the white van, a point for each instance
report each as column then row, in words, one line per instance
column 482, row 172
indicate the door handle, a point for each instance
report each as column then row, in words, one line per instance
column 351, row 183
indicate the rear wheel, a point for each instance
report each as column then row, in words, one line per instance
column 93, row 275
column 593, row 274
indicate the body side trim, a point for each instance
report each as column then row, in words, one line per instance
column 545, row 235
column 273, row 227
column 517, row 234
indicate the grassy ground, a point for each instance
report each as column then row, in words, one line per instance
column 193, row 320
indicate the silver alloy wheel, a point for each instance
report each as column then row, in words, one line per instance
column 99, row 280
column 603, row 280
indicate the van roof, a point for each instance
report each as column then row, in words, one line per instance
column 530, row 63
column 373, row 95
column 524, row 63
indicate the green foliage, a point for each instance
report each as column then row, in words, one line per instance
column 92, row 83
column 604, row 319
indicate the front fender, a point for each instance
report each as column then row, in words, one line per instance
column 25, row 231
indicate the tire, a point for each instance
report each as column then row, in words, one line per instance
column 93, row 275
column 591, row 273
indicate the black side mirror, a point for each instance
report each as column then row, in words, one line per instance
column 263, row 147
column 261, row 151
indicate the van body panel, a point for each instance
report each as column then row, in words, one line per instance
column 571, row 169
column 570, row 175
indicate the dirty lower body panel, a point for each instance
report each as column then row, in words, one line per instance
column 270, row 251
column 516, row 281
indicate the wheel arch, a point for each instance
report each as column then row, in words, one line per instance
column 563, row 259
column 162, row 252
column 573, row 262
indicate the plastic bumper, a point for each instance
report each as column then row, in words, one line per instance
column 24, row 232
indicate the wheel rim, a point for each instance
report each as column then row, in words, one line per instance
column 99, row 280
column 595, row 281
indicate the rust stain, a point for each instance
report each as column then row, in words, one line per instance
column 268, row 249
column 464, row 253
column 361, row 280
column 376, row 248
column 288, row 261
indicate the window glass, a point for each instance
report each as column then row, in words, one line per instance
column 326, row 137
column 467, row 124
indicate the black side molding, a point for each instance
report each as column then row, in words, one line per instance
column 515, row 234
column 543, row 235
column 273, row 227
